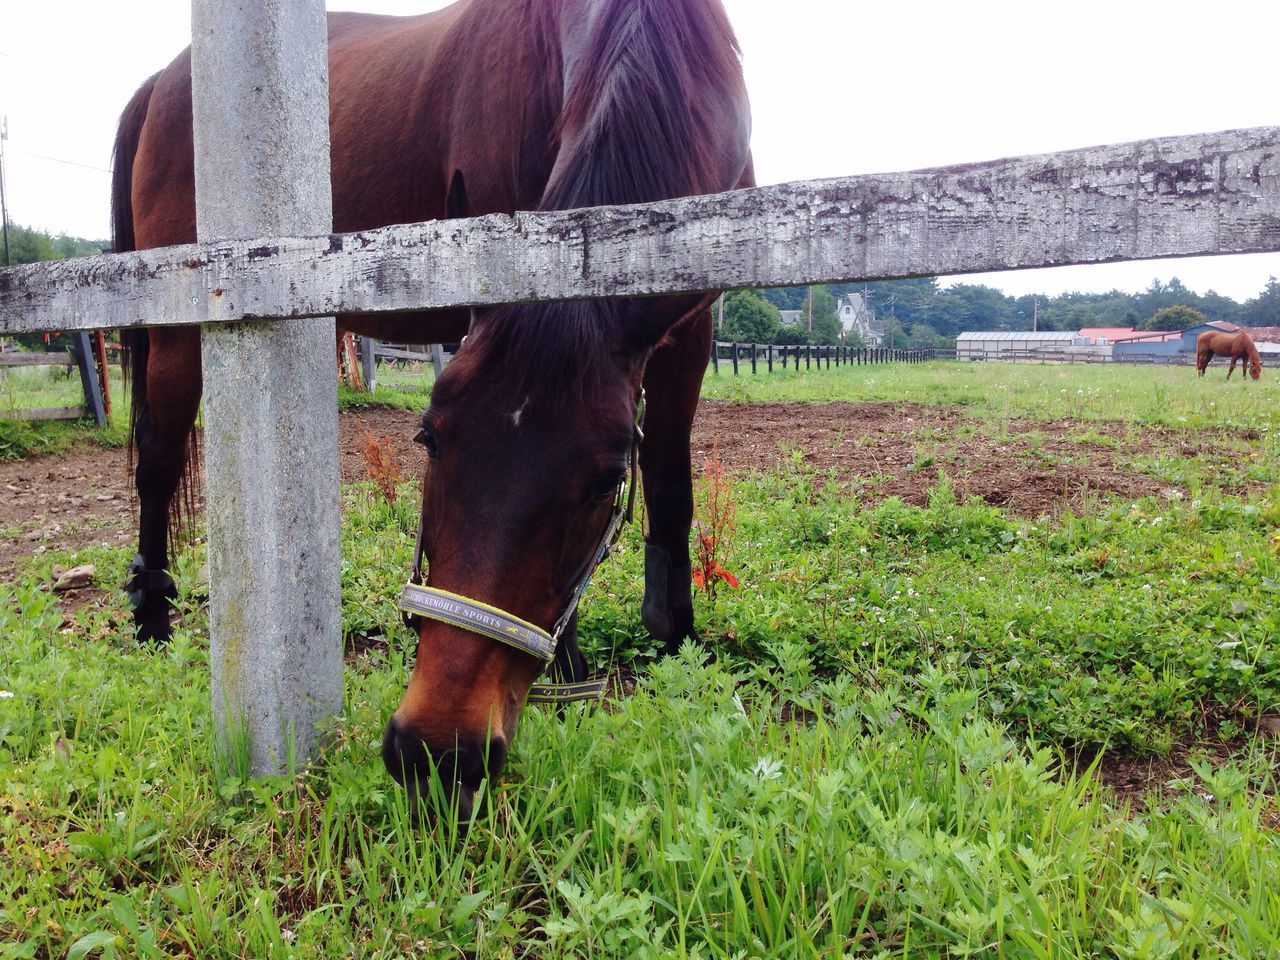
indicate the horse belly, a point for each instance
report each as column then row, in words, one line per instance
column 430, row 326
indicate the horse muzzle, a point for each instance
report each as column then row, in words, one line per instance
column 458, row 767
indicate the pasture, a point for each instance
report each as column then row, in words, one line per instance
column 1001, row 677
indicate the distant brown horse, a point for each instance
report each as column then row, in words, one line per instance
column 1237, row 346
column 486, row 106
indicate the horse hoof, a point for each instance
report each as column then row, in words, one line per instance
column 154, row 632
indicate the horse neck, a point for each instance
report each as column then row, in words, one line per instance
column 654, row 105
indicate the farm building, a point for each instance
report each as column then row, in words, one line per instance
column 1004, row 345
column 1106, row 336
column 789, row 318
column 1151, row 343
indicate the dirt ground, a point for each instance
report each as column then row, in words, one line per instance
column 897, row 449
column 890, row 449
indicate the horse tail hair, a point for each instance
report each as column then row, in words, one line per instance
column 133, row 343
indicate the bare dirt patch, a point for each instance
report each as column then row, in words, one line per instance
column 897, row 449
column 85, row 498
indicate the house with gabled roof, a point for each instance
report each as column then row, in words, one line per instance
column 857, row 315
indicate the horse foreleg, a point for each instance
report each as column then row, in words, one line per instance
column 162, row 437
column 672, row 380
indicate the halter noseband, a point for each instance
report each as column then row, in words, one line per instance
column 419, row 600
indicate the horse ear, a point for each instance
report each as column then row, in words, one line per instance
column 456, row 206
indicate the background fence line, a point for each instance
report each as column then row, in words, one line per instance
column 737, row 356
column 822, row 356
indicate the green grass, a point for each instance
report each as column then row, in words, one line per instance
column 24, row 387
column 692, row 821
column 1166, row 396
column 397, row 385
column 876, row 764
column 27, row 388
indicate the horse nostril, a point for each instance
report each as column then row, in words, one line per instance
column 460, row 766
column 471, row 761
column 404, row 755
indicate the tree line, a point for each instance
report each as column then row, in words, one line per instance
column 921, row 313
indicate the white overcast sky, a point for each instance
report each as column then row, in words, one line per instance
column 838, row 87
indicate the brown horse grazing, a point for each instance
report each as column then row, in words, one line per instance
column 486, row 106
column 1237, row 346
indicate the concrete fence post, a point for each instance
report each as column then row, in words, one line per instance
column 261, row 120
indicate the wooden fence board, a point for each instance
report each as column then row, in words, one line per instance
column 1179, row 196
column 44, row 413
column 34, row 359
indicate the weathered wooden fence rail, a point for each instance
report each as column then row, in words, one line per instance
column 1179, row 196
column 261, row 148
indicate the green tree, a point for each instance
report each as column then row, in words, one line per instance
column 1264, row 309
column 825, row 328
column 1177, row 317
column 924, row 337
column 30, row 246
column 749, row 318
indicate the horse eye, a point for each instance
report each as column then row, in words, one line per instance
column 427, row 437
column 606, row 485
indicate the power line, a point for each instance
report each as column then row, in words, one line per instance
column 70, row 163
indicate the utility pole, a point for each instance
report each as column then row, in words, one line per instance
column 811, row 309
column 4, row 210
column 1035, row 315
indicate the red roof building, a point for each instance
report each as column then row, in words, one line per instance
column 1100, row 336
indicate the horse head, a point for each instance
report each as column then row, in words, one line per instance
column 530, row 436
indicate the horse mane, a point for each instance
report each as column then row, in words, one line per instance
column 1251, row 350
column 636, row 125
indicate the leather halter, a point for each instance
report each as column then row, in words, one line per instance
column 419, row 600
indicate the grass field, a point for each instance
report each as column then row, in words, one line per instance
column 900, row 749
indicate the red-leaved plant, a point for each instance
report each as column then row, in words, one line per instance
column 381, row 464
column 713, row 527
